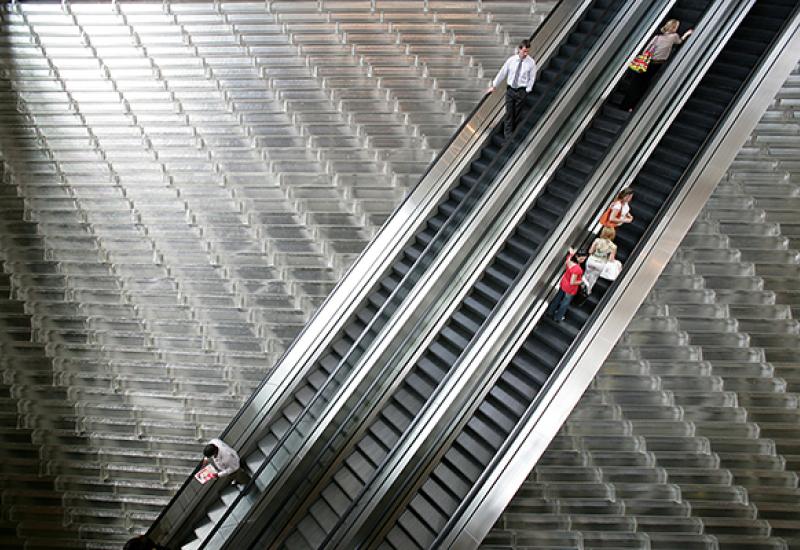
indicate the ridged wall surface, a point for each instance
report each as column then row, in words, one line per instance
column 183, row 183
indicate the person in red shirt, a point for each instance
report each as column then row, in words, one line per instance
column 568, row 287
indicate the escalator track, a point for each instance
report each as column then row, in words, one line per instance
column 360, row 467
column 324, row 379
column 424, row 521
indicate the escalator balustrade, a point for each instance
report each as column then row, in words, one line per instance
column 361, row 465
column 278, row 442
column 439, row 496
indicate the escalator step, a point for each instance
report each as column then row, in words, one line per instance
column 475, row 447
column 432, row 366
column 445, row 501
column 496, row 416
column 541, row 350
column 487, row 292
column 477, row 306
column 509, row 397
column 517, row 378
column 370, row 449
column 460, row 464
column 335, row 497
column 400, row 540
column 348, row 482
column 421, row 385
column 457, row 334
column 444, row 351
column 498, row 279
column 416, row 529
column 529, row 363
column 468, row 320
column 487, row 431
column 310, row 532
column 429, row 510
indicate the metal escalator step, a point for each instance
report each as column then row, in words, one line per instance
column 533, row 369
column 422, row 386
column 384, row 433
column 511, row 397
column 514, row 376
column 399, row 539
column 416, row 529
column 443, row 497
column 445, row 352
column 494, row 414
column 432, row 368
column 398, row 419
column 312, row 533
column 457, row 332
column 481, row 427
column 448, row 474
column 497, row 279
column 372, row 449
column 325, row 516
column 486, row 294
column 346, row 487
column 478, row 306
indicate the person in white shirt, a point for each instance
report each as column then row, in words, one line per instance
column 519, row 73
column 225, row 460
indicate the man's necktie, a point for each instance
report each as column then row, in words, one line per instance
column 516, row 75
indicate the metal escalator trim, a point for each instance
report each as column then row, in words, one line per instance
column 366, row 270
column 690, row 62
column 498, row 202
column 502, row 482
column 568, row 100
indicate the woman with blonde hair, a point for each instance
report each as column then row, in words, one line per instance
column 661, row 47
column 601, row 261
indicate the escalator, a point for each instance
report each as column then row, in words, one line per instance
column 281, row 432
column 357, row 469
column 433, row 514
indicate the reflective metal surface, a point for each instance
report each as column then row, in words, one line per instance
column 500, row 486
column 357, row 283
column 487, row 244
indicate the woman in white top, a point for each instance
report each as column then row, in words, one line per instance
column 661, row 45
column 602, row 261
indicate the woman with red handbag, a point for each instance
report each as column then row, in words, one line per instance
column 645, row 67
column 619, row 211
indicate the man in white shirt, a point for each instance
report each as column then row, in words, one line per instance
column 225, row 460
column 519, row 72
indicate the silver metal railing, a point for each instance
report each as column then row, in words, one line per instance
column 193, row 498
column 374, row 505
column 689, row 61
column 570, row 98
column 501, row 481
column 269, row 499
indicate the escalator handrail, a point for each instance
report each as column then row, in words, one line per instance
column 484, row 111
column 507, row 150
column 481, row 110
column 698, row 169
column 337, row 432
column 557, row 253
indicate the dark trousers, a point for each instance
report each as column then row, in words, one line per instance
column 240, row 477
column 638, row 83
column 558, row 307
column 515, row 98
